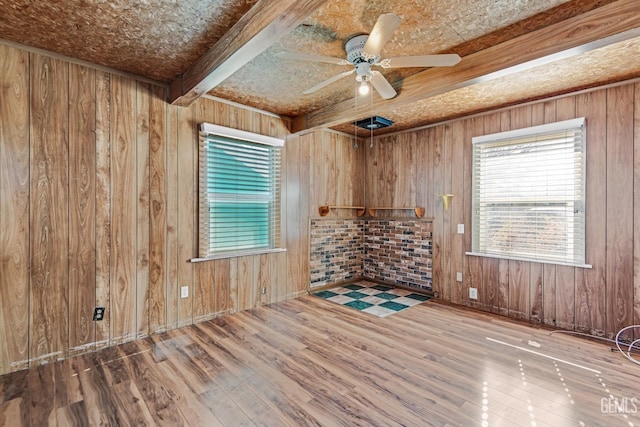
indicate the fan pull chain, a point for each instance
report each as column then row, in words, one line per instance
column 371, row 115
column 355, row 121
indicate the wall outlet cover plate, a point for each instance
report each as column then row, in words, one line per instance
column 98, row 313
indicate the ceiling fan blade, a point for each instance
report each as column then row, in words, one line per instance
column 382, row 85
column 421, row 61
column 328, row 82
column 380, row 34
column 312, row 58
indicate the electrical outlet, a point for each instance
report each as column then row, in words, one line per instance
column 473, row 293
column 460, row 228
column 458, row 276
column 98, row 313
column 184, row 292
column 264, row 290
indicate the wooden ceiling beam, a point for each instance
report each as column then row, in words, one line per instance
column 612, row 23
column 263, row 25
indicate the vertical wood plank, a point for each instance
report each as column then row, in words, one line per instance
column 318, row 172
column 82, row 207
column 424, row 176
column 245, row 282
column 439, row 281
column 278, row 276
column 293, row 189
column 448, row 275
column 503, row 264
column 412, row 168
column 565, row 297
column 566, row 108
column 373, row 164
column 343, row 185
column 620, row 168
column 503, row 287
column 222, row 114
column 387, row 174
column 204, row 290
column 172, row 286
column 187, row 148
column 103, row 206
column 494, row 292
column 459, row 293
column 521, row 117
column 590, row 283
column 519, row 276
column 536, row 281
column 536, row 310
column 356, row 161
column 14, row 209
column 636, row 208
column 432, row 198
column 565, row 276
column 549, row 299
column 278, row 289
column 143, row 214
column 537, row 114
column 123, row 207
column 473, row 264
column 234, row 294
column 158, row 211
column 304, row 210
column 49, row 209
column 403, row 170
column 550, row 111
column 221, row 283
column 263, row 279
column 330, row 168
column 350, row 191
column 549, row 294
column 204, row 304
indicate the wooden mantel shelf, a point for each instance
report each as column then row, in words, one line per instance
column 417, row 210
column 324, row 210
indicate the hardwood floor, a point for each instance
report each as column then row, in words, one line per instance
column 312, row 362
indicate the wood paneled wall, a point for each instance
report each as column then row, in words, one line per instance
column 416, row 168
column 98, row 191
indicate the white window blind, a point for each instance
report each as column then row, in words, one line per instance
column 239, row 192
column 529, row 193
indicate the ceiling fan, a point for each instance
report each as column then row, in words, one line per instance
column 363, row 52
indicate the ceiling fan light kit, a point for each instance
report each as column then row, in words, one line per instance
column 364, row 88
column 363, row 52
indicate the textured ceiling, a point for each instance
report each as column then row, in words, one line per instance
column 161, row 40
column 427, row 27
column 154, row 39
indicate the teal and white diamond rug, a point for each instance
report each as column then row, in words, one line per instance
column 373, row 298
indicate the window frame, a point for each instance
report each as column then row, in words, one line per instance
column 205, row 131
column 516, row 137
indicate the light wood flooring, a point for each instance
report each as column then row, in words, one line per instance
column 312, row 362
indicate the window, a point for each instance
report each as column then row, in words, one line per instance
column 239, row 192
column 529, row 194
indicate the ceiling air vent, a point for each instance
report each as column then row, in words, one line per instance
column 374, row 123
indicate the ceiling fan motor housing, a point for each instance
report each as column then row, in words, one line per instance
column 354, row 47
